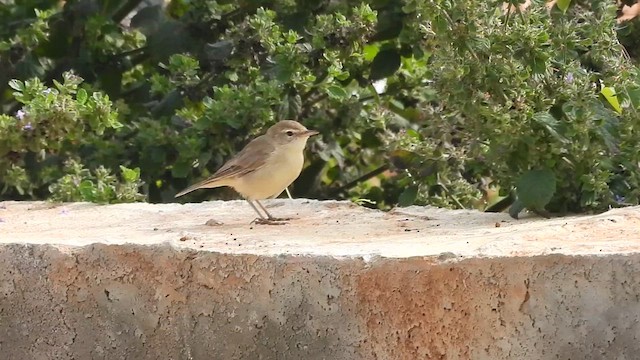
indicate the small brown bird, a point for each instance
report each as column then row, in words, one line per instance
column 264, row 168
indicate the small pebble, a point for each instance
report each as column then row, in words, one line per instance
column 213, row 222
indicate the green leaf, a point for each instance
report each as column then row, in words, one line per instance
column 535, row 188
column 551, row 124
column 408, row 196
column 385, row 64
column 130, row 175
column 114, row 123
column 290, row 106
column 81, row 96
column 232, row 76
column 563, row 5
column 440, row 25
column 413, row 134
column 291, row 37
column 58, row 85
column 333, row 173
column 609, row 93
column 337, row 92
column 295, row 105
column 16, row 85
column 609, row 132
column 634, row 96
column 87, row 190
column 283, row 110
column 370, row 51
column 283, row 72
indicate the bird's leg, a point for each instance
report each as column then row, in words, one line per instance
column 261, row 220
column 256, row 209
column 269, row 217
column 265, row 211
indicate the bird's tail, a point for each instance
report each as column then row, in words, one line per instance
column 187, row 190
column 207, row 183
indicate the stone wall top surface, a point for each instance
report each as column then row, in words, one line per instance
column 320, row 228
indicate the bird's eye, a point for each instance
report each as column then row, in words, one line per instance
column 289, row 133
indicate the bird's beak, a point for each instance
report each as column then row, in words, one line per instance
column 309, row 133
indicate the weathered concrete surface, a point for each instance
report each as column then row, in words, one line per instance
column 142, row 281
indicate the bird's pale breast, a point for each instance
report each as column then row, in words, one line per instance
column 281, row 169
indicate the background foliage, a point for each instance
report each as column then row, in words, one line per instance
column 123, row 100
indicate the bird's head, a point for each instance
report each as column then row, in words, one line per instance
column 287, row 132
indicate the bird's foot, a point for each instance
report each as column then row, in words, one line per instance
column 279, row 219
column 272, row 221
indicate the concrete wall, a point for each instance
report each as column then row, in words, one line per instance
column 174, row 300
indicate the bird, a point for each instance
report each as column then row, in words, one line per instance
column 264, row 168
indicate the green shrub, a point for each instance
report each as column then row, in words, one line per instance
column 542, row 100
column 79, row 184
column 475, row 101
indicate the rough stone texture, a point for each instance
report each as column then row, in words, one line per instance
column 141, row 281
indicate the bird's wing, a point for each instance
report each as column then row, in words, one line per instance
column 250, row 159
